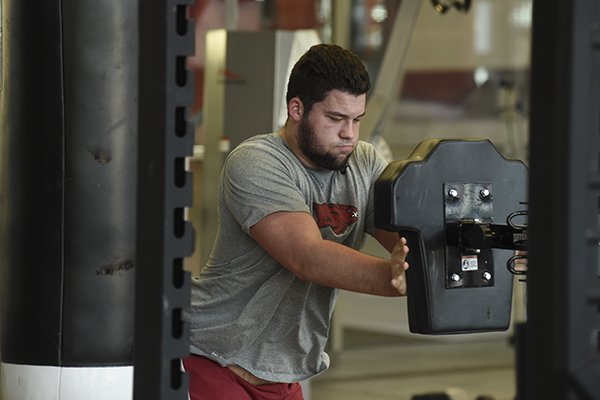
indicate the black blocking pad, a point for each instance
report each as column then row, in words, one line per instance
column 452, row 288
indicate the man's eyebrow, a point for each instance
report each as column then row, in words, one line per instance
column 343, row 115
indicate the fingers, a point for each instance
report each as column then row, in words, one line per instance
column 399, row 278
column 398, row 266
column 400, row 249
column 517, row 264
column 521, row 265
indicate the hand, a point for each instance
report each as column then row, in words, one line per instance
column 399, row 266
column 521, row 263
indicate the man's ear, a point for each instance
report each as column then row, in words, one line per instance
column 295, row 109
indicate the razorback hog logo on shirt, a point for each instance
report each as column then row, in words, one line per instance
column 337, row 216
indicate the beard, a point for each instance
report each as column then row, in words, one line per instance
column 308, row 143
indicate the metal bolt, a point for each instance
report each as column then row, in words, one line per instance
column 486, row 276
column 455, row 277
column 453, row 193
column 484, row 193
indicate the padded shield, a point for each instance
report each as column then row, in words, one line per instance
column 452, row 288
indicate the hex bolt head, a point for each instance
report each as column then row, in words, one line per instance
column 453, row 193
column 486, row 276
column 455, row 277
column 484, row 193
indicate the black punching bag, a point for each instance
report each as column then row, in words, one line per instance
column 68, row 198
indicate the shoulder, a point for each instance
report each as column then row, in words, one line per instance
column 365, row 147
column 267, row 142
column 259, row 148
column 261, row 154
column 366, row 153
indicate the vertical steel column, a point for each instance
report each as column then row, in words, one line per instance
column 164, row 238
column 563, row 328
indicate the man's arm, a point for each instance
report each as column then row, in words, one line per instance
column 386, row 238
column 294, row 240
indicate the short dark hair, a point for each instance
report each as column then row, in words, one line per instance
column 325, row 67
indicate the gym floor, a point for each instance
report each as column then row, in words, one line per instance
column 383, row 367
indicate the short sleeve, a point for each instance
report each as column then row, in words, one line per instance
column 258, row 182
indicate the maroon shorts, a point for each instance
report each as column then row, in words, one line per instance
column 209, row 381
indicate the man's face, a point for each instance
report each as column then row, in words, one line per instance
column 328, row 135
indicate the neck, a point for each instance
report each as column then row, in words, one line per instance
column 288, row 133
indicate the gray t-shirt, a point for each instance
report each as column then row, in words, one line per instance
column 246, row 308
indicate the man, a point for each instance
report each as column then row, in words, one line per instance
column 294, row 207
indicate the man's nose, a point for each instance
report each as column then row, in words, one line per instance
column 349, row 130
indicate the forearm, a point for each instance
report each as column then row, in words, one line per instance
column 294, row 240
column 335, row 265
